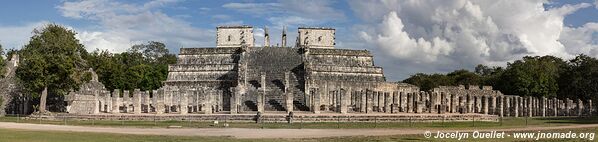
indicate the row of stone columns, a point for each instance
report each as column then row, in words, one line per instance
column 369, row 101
column 181, row 102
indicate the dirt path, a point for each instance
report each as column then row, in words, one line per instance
column 257, row 133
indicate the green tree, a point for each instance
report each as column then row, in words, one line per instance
column 427, row 82
column 580, row 79
column 464, row 77
column 143, row 66
column 51, row 63
column 532, row 76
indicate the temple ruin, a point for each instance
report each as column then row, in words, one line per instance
column 312, row 77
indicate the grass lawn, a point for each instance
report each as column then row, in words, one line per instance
column 12, row 135
column 504, row 123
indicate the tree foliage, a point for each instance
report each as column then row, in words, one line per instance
column 539, row 76
column 580, row 79
column 143, row 66
column 52, row 60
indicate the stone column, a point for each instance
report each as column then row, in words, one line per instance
column 126, row 101
column 410, row 102
column 376, row 102
column 96, row 102
column 567, row 107
column 516, row 106
column 369, row 100
column 235, row 101
column 501, row 105
column 289, row 101
column 555, row 106
column 493, row 108
column 146, row 101
column 403, row 101
column 116, row 101
column 260, row 102
column 543, row 106
column 344, row 95
column 395, row 102
column 484, row 104
column 387, row 102
column 529, row 104
column 479, row 104
column 416, row 102
column 363, row 96
column 433, row 102
column 470, row 103
column 462, row 104
column 316, row 100
column 444, row 103
column 453, row 103
column 137, row 101
column 159, row 96
column 579, row 107
column 184, row 102
column 508, row 108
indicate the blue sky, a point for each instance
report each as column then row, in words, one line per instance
column 406, row 37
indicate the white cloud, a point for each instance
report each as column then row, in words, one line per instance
column 18, row 36
column 437, row 36
column 122, row 25
column 581, row 40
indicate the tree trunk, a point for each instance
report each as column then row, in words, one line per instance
column 42, row 100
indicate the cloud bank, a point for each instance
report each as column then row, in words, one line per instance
column 439, row 36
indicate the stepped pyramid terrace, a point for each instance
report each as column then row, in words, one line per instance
column 311, row 78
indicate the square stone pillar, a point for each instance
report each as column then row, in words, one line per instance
column 556, row 106
column 96, row 102
column 116, row 101
column 127, row 101
column 484, row 104
column 479, row 104
column 567, row 107
column 146, row 101
column 579, row 107
column 462, row 104
column 184, row 102
column 454, row 103
column 470, row 103
column 543, row 105
column 159, row 97
column 443, row 103
column 363, row 106
column 234, row 101
column 410, row 102
column 501, row 105
column 369, row 101
column 289, row 101
column 343, row 97
column 417, row 102
column 395, row 102
column 493, row 109
column 317, row 94
column 260, row 102
column 403, row 101
column 506, row 105
column 529, row 104
column 376, row 102
column 516, row 106
column 137, row 101
column 434, row 102
column 387, row 102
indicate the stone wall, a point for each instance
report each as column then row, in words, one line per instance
column 10, row 90
column 234, row 36
column 316, row 37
